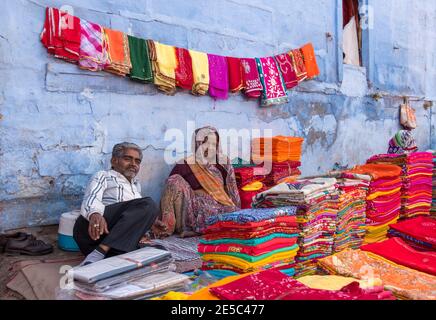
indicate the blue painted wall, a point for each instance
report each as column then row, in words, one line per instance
column 59, row 123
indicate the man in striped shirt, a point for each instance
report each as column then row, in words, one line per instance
column 114, row 215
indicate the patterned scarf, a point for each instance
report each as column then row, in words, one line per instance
column 93, row 47
column 274, row 91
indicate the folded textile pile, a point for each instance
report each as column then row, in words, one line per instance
column 277, row 286
column 317, row 200
column 61, row 34
column 433, row 204
column 276, row 149
column 416, row 175
column 397, row 250
column 383, row 201
column 119, row 52
column 403, row 282
column 183, row 251
column 350, row 223
column 419, row 232
column 250, row 240
column 140, row 274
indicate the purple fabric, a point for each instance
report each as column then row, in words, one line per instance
column 218, row 77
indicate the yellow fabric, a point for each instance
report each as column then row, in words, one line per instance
column 257, row 185
column 164, row 67
column 246, row 266
column 382, row 193
column 200, row 71
column 172, row 295
column 204, row 294
column 333, row 282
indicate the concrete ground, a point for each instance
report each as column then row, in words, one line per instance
column 49, row 235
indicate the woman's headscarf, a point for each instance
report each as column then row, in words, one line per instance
column 402, row 143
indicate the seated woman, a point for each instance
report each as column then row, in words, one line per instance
column 199, row 186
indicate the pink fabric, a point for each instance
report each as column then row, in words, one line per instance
column 274, row 285
column 252, row 84
column 274, row 91
column 93, row 47
column 421, row 228
column 218, row 77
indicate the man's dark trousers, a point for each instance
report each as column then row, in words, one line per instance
column 127, row 223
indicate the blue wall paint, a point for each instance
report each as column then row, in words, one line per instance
column 59, row 123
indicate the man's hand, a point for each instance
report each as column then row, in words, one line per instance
column 97, row 226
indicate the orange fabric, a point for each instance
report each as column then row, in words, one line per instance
column 278, row 149
column 310, row 60
column 210, row 184
column 378, row 171
column 119, row 53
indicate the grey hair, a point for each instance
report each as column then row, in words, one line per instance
column 118, row 150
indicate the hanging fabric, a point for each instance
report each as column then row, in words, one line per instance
column 218, row 77
column 235, row 74
column 200, row 69
column 140, row 58
column 184, row 76
column 252, row 85
column 119, row 54
column 286, row 67
column 164, row 63
column 274, row 91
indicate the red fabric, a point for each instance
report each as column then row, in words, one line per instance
column 274, row 285
column 285, row 64
column 283, row 221
column 246, row 175
column 422, row 228
column 257, row 250
column 249, row 234
column 252, row 85
column 247, row 197
column 398, row 251
column 235, row 74
column 61, row 34
column 184, row 75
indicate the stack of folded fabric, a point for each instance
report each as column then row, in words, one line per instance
column 277, row 286
column 433, row 204
column 350, row 223
column 250, row 240
column 419, row 232
column 276, row 149
column 383, row 201
column 140, row 274
column 403, row 282
column 416, row 175
column 316, row 216
column 285, row 171
column 398, row 251
column 250, row 181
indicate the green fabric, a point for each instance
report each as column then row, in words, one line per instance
column 140, row 58
column 249, row 258
column 249, row 242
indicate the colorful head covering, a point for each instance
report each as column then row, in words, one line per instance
column 310, row 60
column 274, row 91
column 119, row 53
column 218, row 77
column 402, row 142
column 200, row 70
column 164, row 63
column 235, row 74
column 140, row 58
column 298, row 62
column 250, row 73
column 61, row 34
column 184, row 76
column 286, row 67
column 93, row 47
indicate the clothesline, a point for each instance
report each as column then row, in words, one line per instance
column 97, row 48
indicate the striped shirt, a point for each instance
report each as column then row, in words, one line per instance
column 105, row 188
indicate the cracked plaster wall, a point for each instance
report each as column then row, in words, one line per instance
column 58, row 123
